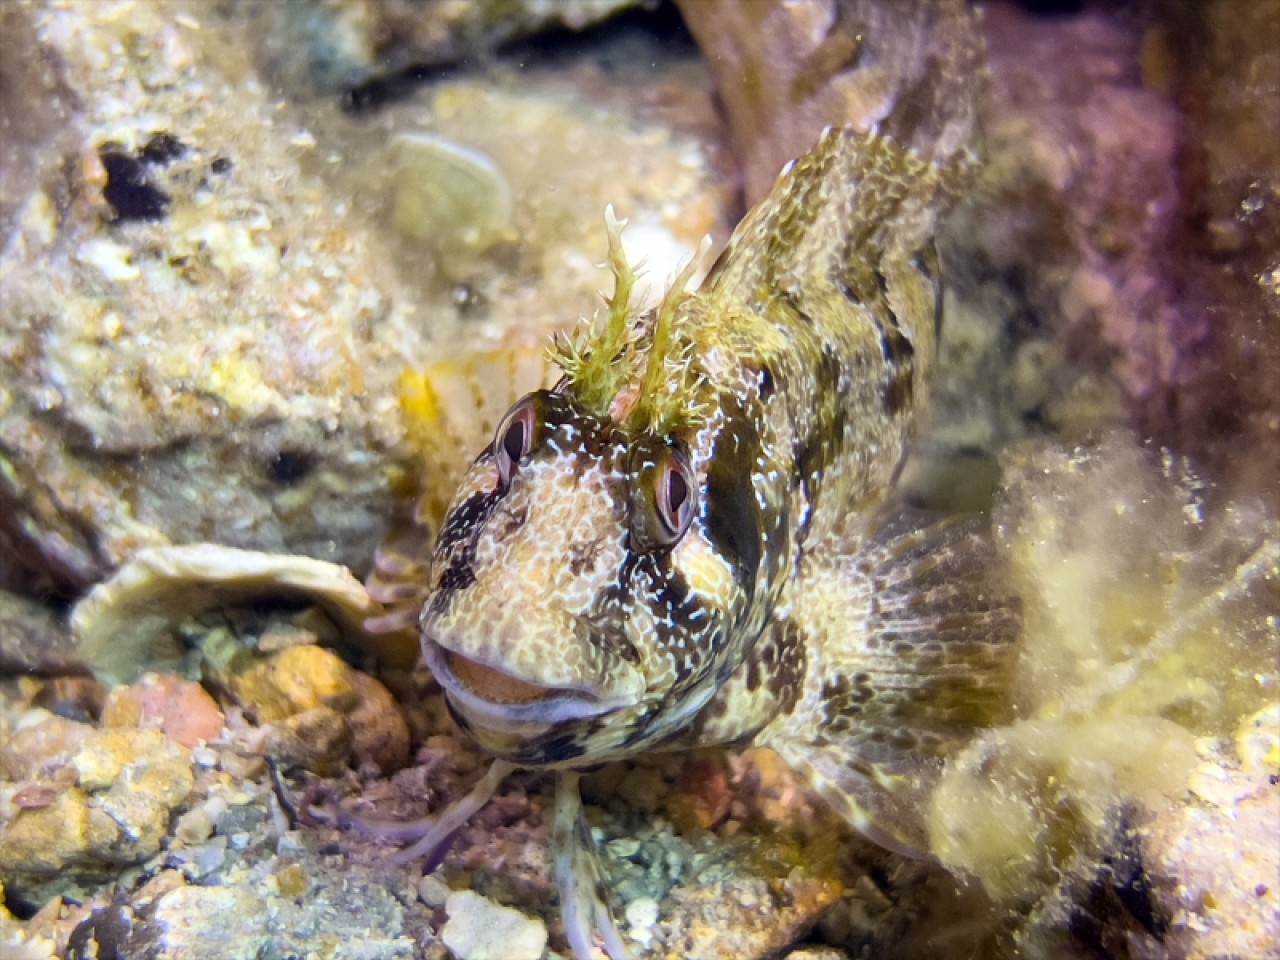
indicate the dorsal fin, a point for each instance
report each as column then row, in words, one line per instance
column 835, row 212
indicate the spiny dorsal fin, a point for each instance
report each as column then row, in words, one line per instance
column 840, row 208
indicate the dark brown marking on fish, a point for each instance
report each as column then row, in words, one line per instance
column 786, row 678
column 733, row 519
column 766, row 383
column 823, row 442
column 926, row 262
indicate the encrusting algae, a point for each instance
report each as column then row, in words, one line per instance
column 1152, row 639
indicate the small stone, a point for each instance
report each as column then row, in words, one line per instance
column 44, row 840
column 641, row 915
column 623, row 848
column 76, row 698
column 479, row 929
column 194, row 826
column 291, row 844
column 291, row 880
column 184, row 710
column 295, row 680
column 318, row 740
column 206, row 757
column 433, row 891
column 106, row 753
column 41, row 742
column 210, row 857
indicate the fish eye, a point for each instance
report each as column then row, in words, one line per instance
column 663, row 495
column 516, row 436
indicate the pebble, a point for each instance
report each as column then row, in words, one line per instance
column 433, row 891
column 209, row 923
column 318, row 740
column 294, row 680
column 1258, row 741
column 641, row 915
column 194, row 826
column 479, row 929
column 41, row 741
column 183, row 709
column 211, row 856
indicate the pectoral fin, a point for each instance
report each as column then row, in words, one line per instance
column 910, row 640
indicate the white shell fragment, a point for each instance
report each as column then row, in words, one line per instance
column 116, row 626
column 447, row 193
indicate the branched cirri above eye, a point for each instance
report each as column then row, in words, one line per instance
column 663, row 494
column 516, row 436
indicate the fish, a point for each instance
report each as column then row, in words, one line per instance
column 692, row 538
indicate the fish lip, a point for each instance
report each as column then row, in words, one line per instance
column 561, row 705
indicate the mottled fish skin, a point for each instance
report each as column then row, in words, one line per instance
column 565, row 633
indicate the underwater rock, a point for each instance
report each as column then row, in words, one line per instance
column 379, row 731
column 127, row 785
column 37, row 742
column 562, row 148
column 40, row 848
column 322, row 713
column 293, row 681
column 1229, row 80
column 1074, row 226
column 317, row 740
column 786, row 70
column 193, row 922
column 229, row 371
column 566, row 146
column 1214, row 861
column 34, row 640
column 728, row 912
column 479, row 929
column 220, row 365
column 314, row 48
column 1128, row 211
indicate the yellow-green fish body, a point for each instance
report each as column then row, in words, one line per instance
column 685, row 541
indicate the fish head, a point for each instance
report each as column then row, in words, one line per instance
column 578, row 610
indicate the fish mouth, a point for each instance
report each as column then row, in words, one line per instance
column 499, row 700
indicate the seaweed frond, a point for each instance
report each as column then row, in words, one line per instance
column 592, row 358
column 611, row 370
column 668, row 394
